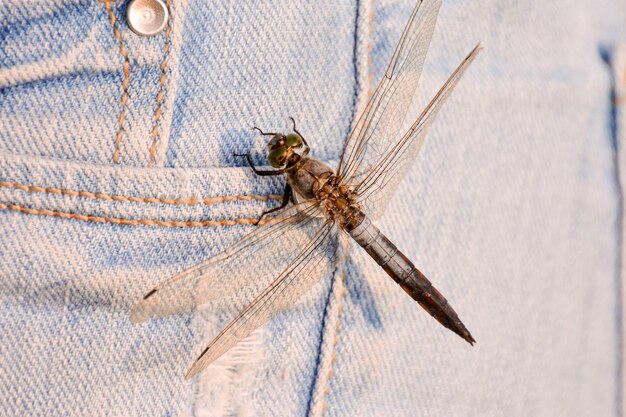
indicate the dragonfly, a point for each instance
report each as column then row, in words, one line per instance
column 273, row 266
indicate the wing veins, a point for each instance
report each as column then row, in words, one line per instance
column 356, row 144
column 160, row 300
column 386, row 86
column 265, row 298
column 228, row 252
column 395, row 86
column 422, row 122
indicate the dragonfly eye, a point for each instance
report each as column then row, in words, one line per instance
column 276, row 141
column 278, row 156
column 293, row 140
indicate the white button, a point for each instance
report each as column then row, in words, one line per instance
column 147, row 17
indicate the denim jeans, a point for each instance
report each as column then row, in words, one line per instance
column 117, row 172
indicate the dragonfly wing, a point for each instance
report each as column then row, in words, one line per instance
column 314, row 261
column 376, row 186
column 229, row 271
column 378, row 127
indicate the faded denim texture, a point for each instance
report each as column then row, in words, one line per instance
column 116, row 172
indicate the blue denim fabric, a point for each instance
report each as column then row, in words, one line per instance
column 512, row 209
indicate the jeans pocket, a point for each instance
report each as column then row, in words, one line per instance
column 81, row 243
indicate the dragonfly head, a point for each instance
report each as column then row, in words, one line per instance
column 282, row 148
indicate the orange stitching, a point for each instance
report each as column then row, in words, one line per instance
column 136, row 222
column 126, row 69
column 175, row 201
column 162, row 80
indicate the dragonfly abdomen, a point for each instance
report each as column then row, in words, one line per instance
column 404, row 273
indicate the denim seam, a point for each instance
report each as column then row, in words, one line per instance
column 331, row 336
column 125, row 82
column 134, row 222
column 329, row 333
column 341, row 295
column 618, row 62
column 130, row 199
column 364, row 94
column 162, row 87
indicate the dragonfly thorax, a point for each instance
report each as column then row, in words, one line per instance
column 314, row 179
column 339, row 200
column 309, row 176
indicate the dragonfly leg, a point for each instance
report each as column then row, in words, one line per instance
column 286, row 197
column 264, row 133
column 261, row 172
